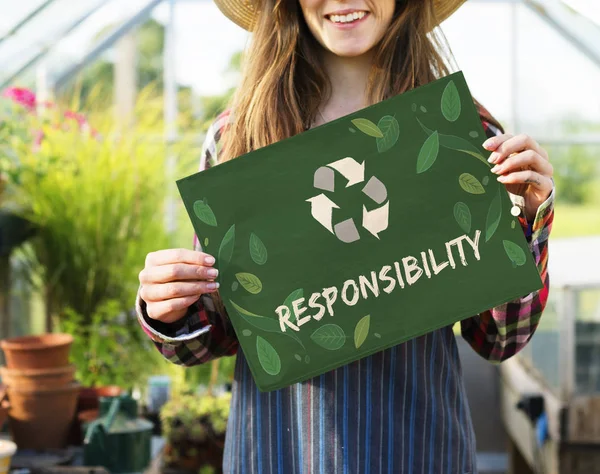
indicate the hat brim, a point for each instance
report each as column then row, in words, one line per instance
column 243, row 13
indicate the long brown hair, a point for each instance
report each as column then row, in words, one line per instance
column 284, row 83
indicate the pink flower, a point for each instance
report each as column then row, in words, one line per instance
column 79, row 118
column 21, row 96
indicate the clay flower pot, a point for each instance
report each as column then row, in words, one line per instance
column 38, row 378
column 37, row 352
column 42, row 418
column 89, row 397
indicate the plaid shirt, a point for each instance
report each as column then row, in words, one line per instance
column 399, row 410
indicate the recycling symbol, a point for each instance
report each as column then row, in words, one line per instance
column 374, row 221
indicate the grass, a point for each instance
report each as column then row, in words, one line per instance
column 576, row 221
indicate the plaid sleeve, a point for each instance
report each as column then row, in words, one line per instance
column 501, row 332
column 205, row 333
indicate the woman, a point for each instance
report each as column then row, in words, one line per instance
column 403, row 409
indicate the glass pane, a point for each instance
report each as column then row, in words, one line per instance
column 542, row 352
column 587, row 342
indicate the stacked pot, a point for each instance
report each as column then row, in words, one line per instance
column 41, row 389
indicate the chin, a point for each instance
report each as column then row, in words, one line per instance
column 349, row 51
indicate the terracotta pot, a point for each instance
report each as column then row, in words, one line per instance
column 89, row 397
column 42, row 418
column 37, row 352
column 38, row 378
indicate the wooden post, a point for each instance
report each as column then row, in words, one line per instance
column 5, row 319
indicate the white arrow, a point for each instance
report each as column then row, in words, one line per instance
column 350, row 169
column 376, row 221
column 322, row 210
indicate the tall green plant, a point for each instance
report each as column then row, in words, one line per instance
column 97, row 200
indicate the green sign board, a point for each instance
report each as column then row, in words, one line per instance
column 360, row 234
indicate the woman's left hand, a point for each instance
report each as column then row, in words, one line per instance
column 523, row 166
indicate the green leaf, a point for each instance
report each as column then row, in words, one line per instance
column 226, row 248
column 251, row 283
column 267, row 356
column 351, row 130
column 294, row 295
column 247, row 332
column 515, row 253
column 470, row 184
column 258, row 251
column 451, row 102
column 206, row 242
column 361, row 331
column 429, row 153
column 297, row 357
column 493, row 216
column 205, row 213
column 462, row 214
column 367, row 127
column 391, row 131
column 329, row 336
column 513, row 225
column 453, row 142
column 263, row 323
column 485, row 181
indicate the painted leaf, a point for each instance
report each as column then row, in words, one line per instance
column 351, row 130
column 513, row 225
column 470, row 184
column 423, row 109
column 267, row 356
column 205, row 213
column 377, row 335
column 453, row 142
column 485, row 181
column 297, row 357
column 473, row 134
column 294, row 295
column 206, row 242
column 247, row 332
column 493, row 216
column 307, row 359
column 329, row 336
column 429, row 153
column 462, row 214
column 515, row 253
column 234, row 286
column 451, row 102
column 263, row 323
column 258, row 251
column 391, row 131
column 226, row 248
column 251, row 283
column 361, row 331
column 367, row 127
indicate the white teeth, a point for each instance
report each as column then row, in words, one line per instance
column 350, row 17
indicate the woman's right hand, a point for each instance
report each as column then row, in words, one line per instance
column 172, row 280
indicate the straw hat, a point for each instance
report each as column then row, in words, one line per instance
column 243, row 12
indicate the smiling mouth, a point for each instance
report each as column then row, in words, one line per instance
column 351, row 17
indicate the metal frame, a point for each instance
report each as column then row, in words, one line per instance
column 26, row 20
column 50, row 44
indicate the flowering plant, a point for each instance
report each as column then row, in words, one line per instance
column 23, row 120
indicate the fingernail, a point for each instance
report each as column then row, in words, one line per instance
column 212, row 285
column 488, row 143
column 209, row 260
column 501, row 178
column 213, row 272
column 495, row 169
column 493, row 157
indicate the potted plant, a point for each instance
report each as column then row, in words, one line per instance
column 194, row 430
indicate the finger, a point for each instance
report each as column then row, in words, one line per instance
column 169, row 311
column 526, row 159
column 177, row 272
column 494, row 142
column 169, row 291
column 513, row 145
column 543, row 183
column 170, row 256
